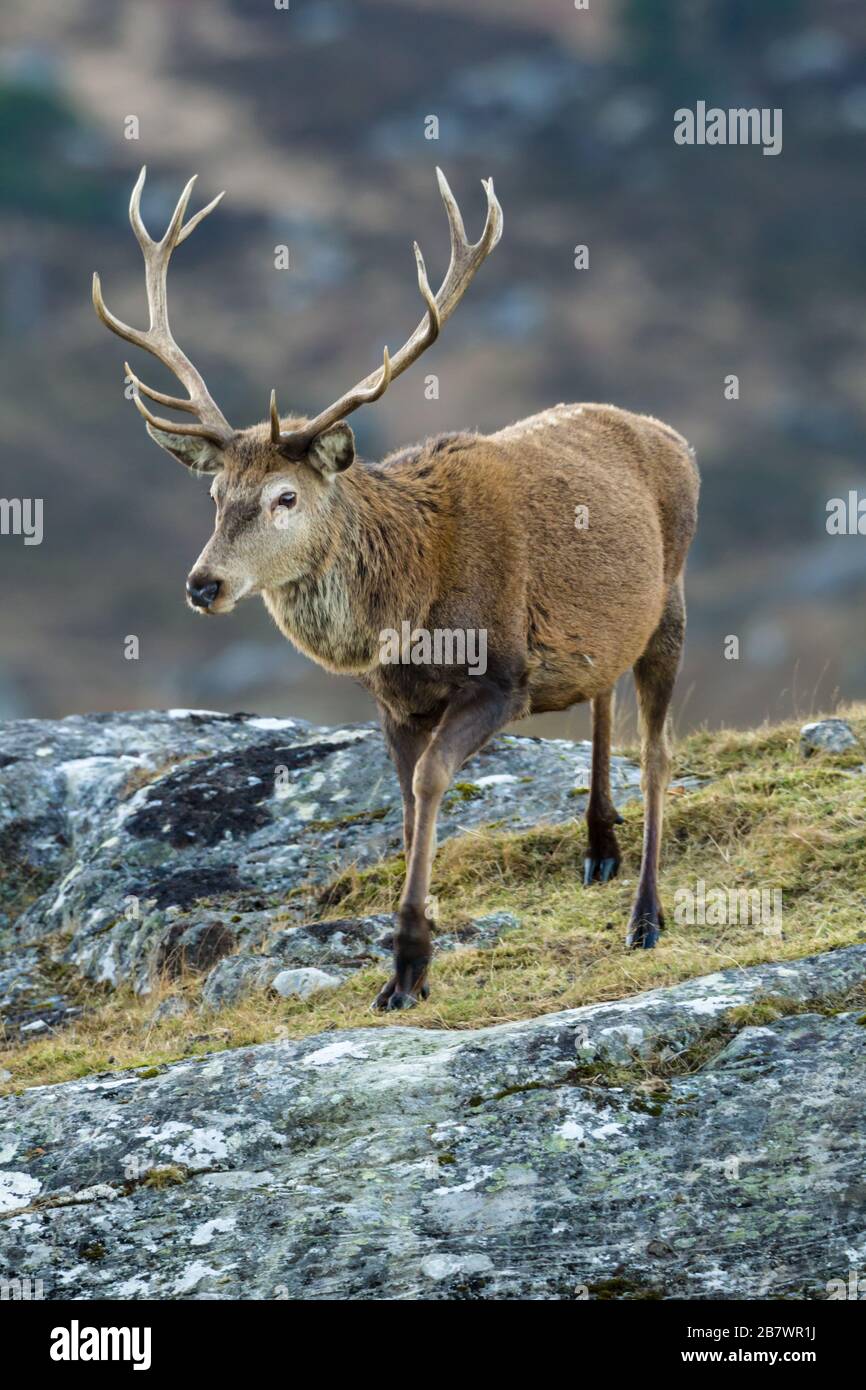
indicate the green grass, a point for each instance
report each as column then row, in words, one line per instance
column 766, row 819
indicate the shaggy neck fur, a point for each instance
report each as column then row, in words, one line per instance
column 378, row 546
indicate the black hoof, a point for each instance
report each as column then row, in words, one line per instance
column 601, row 870
column 391, row 998
column 643, row 932
column 401, row 1001
column 601, row 862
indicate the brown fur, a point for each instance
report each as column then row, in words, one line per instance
column 478, row 531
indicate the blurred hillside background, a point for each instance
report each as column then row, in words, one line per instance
column 703, row 262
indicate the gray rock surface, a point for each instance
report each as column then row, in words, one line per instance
column 501, row 1163
column 302, row 982
column 142, row 842
column 28, row 997
column 827, row 735
column 174, row 1006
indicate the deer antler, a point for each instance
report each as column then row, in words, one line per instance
column 465, row 261
column 157, row 339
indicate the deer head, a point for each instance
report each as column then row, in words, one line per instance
column 272, row 485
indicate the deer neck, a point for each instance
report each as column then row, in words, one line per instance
column 377, row 569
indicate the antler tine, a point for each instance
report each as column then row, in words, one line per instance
column 466, row 257
column 141, row 232
column 387, row 373
column 123, row 330
column 160, row 423
column 171, row 237
column 176, row 402
column 434, row 318
column 275, row 419
column 157, row 338
column 199, row 217
column 380, row 385
column 455, row 217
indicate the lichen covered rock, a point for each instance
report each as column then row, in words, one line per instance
column 167, row 842
column 827, row 736
column 529, row 1160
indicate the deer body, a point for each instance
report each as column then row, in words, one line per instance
column 562, row 538
column 478, row 532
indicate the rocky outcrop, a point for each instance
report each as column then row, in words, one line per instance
column 827, row 736
column 189, row 840
column 134, row 843
column 540, row 1160
column 678, row 1144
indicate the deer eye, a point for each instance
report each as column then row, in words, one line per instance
column 285, row 499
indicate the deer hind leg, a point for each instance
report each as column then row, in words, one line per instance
column 469, row 720
column 602, row 855
column 655, row 673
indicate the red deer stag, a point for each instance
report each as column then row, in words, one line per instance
column 463, row 533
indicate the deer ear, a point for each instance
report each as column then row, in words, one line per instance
column 333, row 450
column 199, row 455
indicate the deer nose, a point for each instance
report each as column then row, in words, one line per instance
column 202, row 590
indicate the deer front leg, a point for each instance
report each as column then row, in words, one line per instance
column 476, row 712
column 406, row 743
